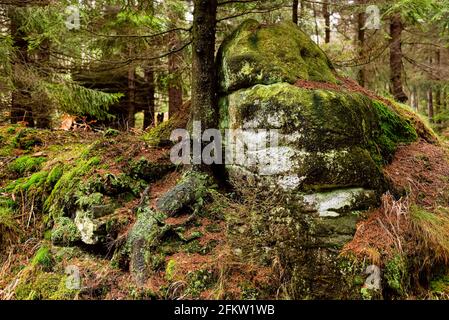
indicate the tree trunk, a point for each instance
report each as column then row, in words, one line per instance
column 317, row 33
column 444, row 102
column 415, row 99
column 204, row 82
column 361, row 74
column 203, row 63
column 396, row 28
column 175, row 83
column 430, row 104
column 437, row 107
column 295, row 11
column 438, row 94
column 131, row 97
column 20, row 109
column 148, row 118
column 327, row 22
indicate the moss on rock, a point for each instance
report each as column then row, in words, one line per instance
column 44, row 286
column 43, row 258
column 266, row 54
column 61, row 198
column 65, row 232
column 26, row 164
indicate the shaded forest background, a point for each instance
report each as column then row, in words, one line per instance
column 131, row 59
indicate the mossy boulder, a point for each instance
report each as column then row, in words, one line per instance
column 186, row 193
column 95, row 228
column 142, row 242
column 327, row 139
column 325, row 169
column 266, row 54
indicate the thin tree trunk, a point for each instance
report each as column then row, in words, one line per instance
column 175, row 83
column 327, row 22
column 148, row 118
column 415, row 99
column 317, row 33
column 302, row 12
column 396, row 28
column 444, row 102
column 438, row 87
column 361, row 74
column 295, row 11
column 149, row 111
column 430, row 104
column 438, row 107
column 131, row 97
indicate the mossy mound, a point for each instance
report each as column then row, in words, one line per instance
column 266, row 54
column 160, row 135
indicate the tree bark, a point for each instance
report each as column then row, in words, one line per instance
column 327, row 22
column 361, row 74
column 295, row 11
column 203, row 63
column 438, row 87
column 415, row 99
column 175, row 83
column 396, row 28
column 444, row 102
column 430, row 104
column 315, row 16
column 131, row 97
column 148, row 118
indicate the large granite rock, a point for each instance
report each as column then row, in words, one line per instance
column 331, row 148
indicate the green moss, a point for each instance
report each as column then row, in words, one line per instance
column 393, row 130
column 170, row 270
column 111, row 133
column 200, row 281
column 249, row 291
column 35, row 183
column 8, row 225
column 62, row 195
column 189, row 192
column 266, row 54
column 321, row 119
column 160, row 135
column 26, row 164
column 420, row 123
column 44, row 286
column 65, row 232
column 11, row 130
column 396, row 274
column 440, row 285
column 150, row 171
column 26, row 139
column 43, row 258
column 54, row 175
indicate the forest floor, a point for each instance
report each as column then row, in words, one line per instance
column 210, row 265
column 216, row 258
